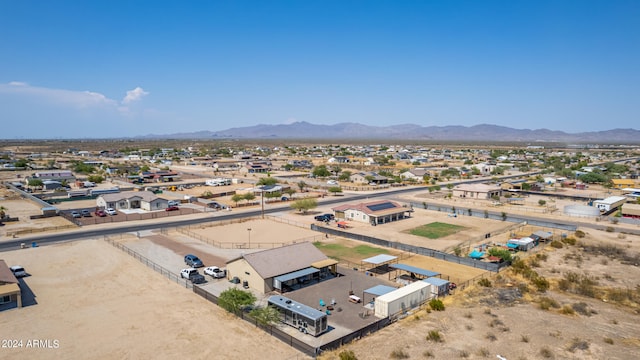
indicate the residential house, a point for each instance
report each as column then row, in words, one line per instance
column 376, row 212
column 145, row 200
column 477, row 191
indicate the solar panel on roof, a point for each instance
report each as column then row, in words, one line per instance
column 383, row 206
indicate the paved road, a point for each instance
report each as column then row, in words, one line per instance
column 98, row 232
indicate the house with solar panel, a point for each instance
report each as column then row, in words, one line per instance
column 374, row 213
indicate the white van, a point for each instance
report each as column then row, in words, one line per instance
column 173, row 203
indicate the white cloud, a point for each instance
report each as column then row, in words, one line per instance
column 134, row 95
column 71, row 98
column 77, row 99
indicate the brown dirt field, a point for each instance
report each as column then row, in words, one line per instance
column 116, row 308
column 485, row 322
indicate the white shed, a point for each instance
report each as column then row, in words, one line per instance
column 403, row 299
column 610, row 203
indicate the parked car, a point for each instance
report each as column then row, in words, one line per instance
column 332, row 182
column 111, row 211
column 193, row 261
column 86, row 213
column 75, row 214
column 172, row 208
column 101, row 213
column 324, row 217
column 18, row 271
column 193, row 275
column 173, row 203
column 215, row 272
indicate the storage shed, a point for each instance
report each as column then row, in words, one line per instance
column 524, row 244
column 403, row 299
column 440, row 286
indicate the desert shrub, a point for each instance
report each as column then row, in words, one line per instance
column 569, row 241
column 428, row 354
column 484, row 282
column 578, row 344
column 524, row 338
column 468, row 315
column 436, row 304
column 567, row 310
column 534, row 262
column 608, row 341
column 556, row 244
column 487, row 311
column 541, row 283
column 464, row 354
column 614, row 322
column 609, row 229
column 469, row 327
column 542, row 202
column 491, row 337
column 622, row 236
column 547, row 303
column 399, row 354
column 523, row 287
column 581, row 308
column 495, row 322
column 347, row 355
column 546, row 353
column 434, row 335
column 579, row 234
column 484, row 352
column 542, row 256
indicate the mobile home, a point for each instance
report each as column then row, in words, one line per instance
column 305, row 318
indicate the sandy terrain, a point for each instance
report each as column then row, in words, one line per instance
column 116, row 308
column 485, row 322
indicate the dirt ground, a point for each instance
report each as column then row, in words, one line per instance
column 116, row 308
column 486, row 322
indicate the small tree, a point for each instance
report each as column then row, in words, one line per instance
column 290, row 192
column 542, row 202
column 233, row 300
column 95, row 179
column 302, row 185
column 267, row 181
column 304, row 205
column 36, row 183
column 265, row 315
column 236, row 198
column 335, row 189
column 249, row 197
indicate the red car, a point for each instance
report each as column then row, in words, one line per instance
column 172, row 208
column 101, row 213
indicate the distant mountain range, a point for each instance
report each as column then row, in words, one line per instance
column 479, row 133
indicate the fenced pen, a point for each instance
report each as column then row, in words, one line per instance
column 293, row 341
column 150, row 264
column 413, row 249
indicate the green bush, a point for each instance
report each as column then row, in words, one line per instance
column 579, row 234
column 484, row 282
column 434, row 335
column 556, row 244
column 436, row 304
column 347, row 355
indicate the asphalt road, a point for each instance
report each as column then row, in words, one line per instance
column 93, row 233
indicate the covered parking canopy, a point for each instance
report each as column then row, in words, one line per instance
column 423, row 273
column 287, row 278
column 380, row 263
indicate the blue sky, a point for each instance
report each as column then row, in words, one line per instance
column 75, row 69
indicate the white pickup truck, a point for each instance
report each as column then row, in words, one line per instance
column 215, row 272
column 193, row 275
